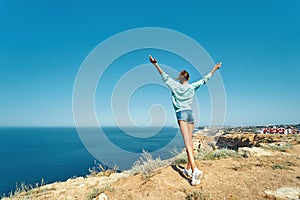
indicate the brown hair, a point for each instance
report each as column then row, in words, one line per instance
column 184, row 74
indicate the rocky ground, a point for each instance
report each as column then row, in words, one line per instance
column 261, row 173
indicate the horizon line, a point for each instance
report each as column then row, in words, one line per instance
column 111, row 126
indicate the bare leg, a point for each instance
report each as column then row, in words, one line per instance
column 187, row 137
column 188, row 165
column 190, row 135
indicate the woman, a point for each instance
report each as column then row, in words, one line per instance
column 182, row 98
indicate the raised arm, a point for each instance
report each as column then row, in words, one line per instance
column 216, row 67
column 197, row 84
column 154, row 62
column 171, row 83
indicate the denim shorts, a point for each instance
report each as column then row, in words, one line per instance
column 185, row 115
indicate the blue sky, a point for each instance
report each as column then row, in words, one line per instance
column 43, row 43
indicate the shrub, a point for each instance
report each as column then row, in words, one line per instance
column 97, row 191
column 197, row 195
column 221, row 153
column 282, row 148
column 146, row 164
column 179, row 157
column 277, row 166
column 204, row 151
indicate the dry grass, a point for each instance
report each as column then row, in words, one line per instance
column 100, row 170
column 29, row 189
column 146, row 164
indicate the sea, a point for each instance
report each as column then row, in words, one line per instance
column 30, row 154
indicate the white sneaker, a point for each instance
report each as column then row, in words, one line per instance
column 197, row 175
column 187, row 172
column 195, row 182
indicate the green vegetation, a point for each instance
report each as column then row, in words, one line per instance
column 204, row 151
column 282, row 148
column 97, row 191
column 278, row 166
column 221, row 153
column 197, row 195
column 179, row 157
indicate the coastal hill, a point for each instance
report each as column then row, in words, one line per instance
column 259, row 167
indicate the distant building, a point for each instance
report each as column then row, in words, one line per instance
column 281, row 130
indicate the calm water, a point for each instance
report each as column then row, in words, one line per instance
column 56, row 154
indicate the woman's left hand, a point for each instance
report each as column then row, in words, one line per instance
column 217, row 66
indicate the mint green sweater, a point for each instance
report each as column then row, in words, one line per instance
column 182, row 94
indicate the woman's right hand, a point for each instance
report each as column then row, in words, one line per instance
column 152, row 60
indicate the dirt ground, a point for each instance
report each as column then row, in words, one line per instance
column 232, row 178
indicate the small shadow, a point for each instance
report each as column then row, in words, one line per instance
column 179, row 169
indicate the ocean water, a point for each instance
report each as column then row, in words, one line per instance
column 56, row 154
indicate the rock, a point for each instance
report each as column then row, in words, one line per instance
column 200, row 141
column 102, row 196
column 234, row 141
column 285, row 193
column 237, row 140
